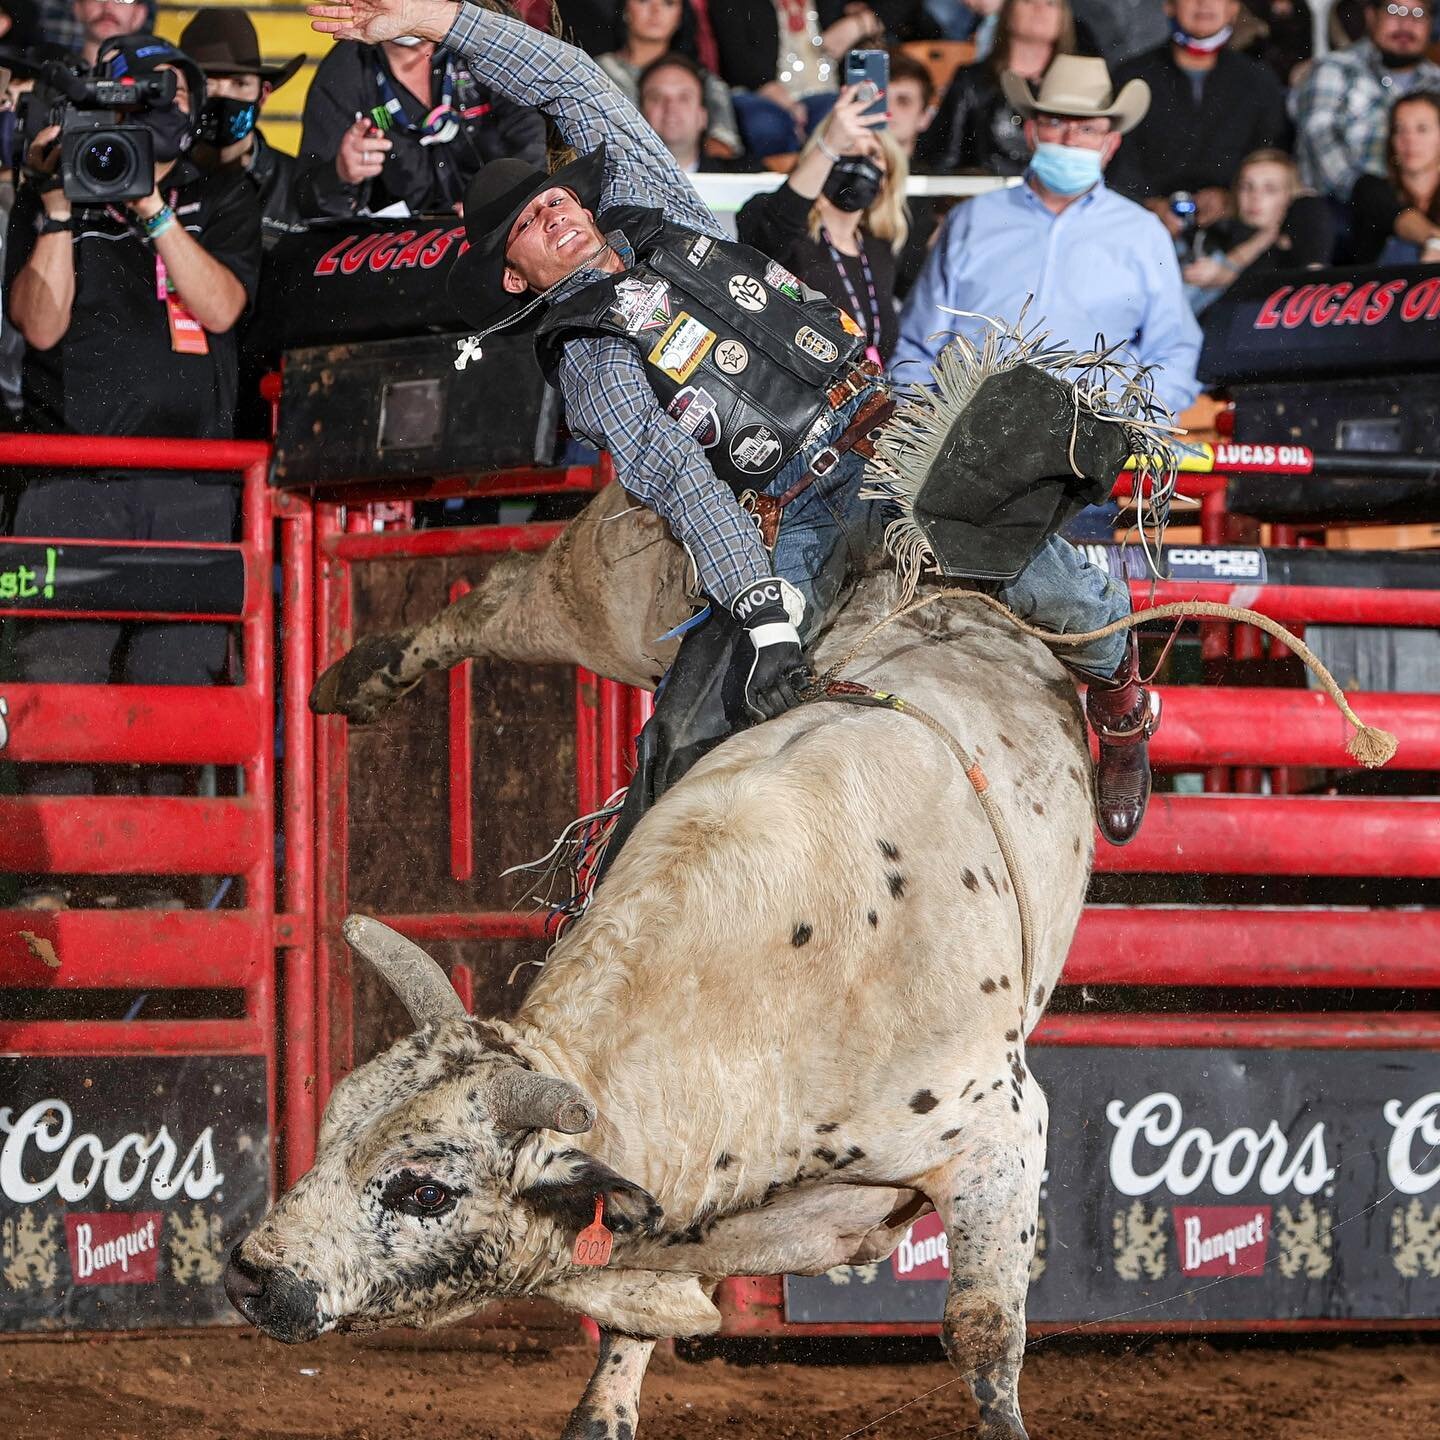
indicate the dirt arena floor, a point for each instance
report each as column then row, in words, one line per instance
column 518, row 1385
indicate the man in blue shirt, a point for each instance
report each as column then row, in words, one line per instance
column 1088, row 261
column 1078, row 261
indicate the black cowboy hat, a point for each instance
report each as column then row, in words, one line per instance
column 494, row 198
column 223, row 42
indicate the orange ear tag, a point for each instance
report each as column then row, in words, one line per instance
column 594, row 1242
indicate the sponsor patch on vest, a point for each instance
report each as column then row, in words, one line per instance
column 731, row 357
column 694, row 409
column 748, row 293
column 682, row 347
column 640, row 306
column 777, row 277
column 848, row 323
column 701, row 247
column 814, row 344
column 755, row 450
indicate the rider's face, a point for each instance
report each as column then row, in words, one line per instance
column 550, row 238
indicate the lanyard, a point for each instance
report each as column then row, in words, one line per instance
column 872, row 330
column 437, row 128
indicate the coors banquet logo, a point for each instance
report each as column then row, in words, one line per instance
column 43, row 1156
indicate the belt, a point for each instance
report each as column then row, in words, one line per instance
column 865, row 374
column 858, row 435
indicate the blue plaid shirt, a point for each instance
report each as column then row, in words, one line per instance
column 608, row 399
column 1342, row 112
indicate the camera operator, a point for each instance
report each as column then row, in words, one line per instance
column 223, row 43
column 129, row 314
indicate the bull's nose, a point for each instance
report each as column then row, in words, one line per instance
column 277, row 1301
column 243, row 1282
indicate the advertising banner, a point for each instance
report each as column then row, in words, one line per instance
column 1204, row 1185
column 123, row 1184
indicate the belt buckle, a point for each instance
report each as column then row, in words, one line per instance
column 824, row 462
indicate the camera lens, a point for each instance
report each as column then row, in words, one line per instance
column 107, row 161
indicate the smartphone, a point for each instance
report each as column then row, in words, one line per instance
column 874, row 66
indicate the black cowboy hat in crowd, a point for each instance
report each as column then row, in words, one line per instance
column 222, row 41
column 494, row 198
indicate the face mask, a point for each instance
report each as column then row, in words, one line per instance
column 9, row 122
column 853, row 183
column 408, row 40
column 224, row 120
column 1201, row 45
column 172, row 131
column 1065, row 169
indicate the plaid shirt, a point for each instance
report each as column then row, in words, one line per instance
column 608, row 398
column 1342, row 111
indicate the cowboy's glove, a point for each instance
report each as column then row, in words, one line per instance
column 775, row 673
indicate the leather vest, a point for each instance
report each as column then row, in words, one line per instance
column 739, row 353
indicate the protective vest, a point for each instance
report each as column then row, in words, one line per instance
column 737, row 350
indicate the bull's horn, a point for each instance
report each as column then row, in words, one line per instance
column 415, row 978
column 522, row 1100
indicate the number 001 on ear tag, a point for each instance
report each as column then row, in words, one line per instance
column 593, row 1243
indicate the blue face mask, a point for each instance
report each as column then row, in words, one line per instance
column 1065, row 169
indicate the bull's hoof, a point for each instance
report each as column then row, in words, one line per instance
column 364, row 682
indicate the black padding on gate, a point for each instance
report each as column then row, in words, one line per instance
column 66, row 576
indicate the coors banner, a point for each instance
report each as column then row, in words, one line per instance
column 1205, row 1185
column 123, row 1183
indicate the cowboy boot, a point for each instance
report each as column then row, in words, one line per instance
column 1124, row 715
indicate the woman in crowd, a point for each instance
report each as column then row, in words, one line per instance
column 839, row 219
column 649, row 29
column 1396, row 217
column 783, row 61
column 977, row 129
column 1276, row 228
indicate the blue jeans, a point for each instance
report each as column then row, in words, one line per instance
column 770, row 129
column 829, row 535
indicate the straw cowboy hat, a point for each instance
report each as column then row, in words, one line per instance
column 1078, row 87
column 222, row 41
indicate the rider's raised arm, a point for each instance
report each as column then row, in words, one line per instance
column 535, row 68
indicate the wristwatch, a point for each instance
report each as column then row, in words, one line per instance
column 55, row 226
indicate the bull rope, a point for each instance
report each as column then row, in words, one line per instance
column 1369, row 744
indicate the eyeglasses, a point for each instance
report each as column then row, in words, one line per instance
column 1080, row 129
column 1407, row 12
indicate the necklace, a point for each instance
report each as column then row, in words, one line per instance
column 872, row 330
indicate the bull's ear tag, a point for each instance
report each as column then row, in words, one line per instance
column 594, row 1242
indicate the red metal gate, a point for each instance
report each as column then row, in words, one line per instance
column 95, row 1071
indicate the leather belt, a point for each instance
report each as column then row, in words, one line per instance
column 865, row 374
column 858, row 435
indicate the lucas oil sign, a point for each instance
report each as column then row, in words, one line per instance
column 1204, row 1185
column 123, row 1185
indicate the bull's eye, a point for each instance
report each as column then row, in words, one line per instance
column 419, row 1195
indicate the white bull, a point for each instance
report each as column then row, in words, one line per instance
column 792, row 1018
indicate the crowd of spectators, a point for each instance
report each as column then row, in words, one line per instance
column 1162, row 149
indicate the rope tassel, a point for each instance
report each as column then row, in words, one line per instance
column 1368, row 745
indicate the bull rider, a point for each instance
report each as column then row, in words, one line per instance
column 738, row 405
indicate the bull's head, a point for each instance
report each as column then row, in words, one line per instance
column 435, row 1187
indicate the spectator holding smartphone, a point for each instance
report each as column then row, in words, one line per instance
column 402, row 128
column 1396, row 216
column 782, row 62
column 839, row 218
